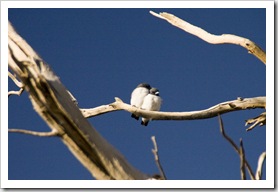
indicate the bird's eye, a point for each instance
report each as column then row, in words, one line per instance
column 157, row 93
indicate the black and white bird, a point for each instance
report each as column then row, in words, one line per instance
column 138, row 95
column 152, row 102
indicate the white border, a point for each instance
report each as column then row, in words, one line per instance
column 137, row 184
column 270, row 91
column 268, row 183
column 136, row 4
column 4, row 98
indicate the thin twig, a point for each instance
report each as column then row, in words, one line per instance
column 242, row 161
column 74, row 100
column 259, row 120
column 18, row 83
column 156, row 157
column 35, row 133
column 19, row 92
column 234, row 146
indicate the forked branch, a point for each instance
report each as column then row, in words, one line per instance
column 236, row 148
column 259, row 120
column 241, row 153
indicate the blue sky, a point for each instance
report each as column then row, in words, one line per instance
column 100, row 54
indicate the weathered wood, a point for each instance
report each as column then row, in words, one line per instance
column 214, row 111
column 54, row 104
column 252, row 47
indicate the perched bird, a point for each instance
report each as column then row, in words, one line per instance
column 152, row 102
column 138, row 95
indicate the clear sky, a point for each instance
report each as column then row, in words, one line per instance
column 100, row 54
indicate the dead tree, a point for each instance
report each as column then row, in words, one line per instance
column 55, row 104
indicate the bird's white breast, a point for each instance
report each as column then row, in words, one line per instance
column 138, row 95
column 152, row 103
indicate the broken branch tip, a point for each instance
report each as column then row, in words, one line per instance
column 117, row 99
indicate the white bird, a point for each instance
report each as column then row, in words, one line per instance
column 152, row 102
column 138, row 95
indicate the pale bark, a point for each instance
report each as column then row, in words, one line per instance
column 35, row 133
column 260, row 165
column 53, row 103
column 221, row 108
column 259, row 120
column 156, row 158
column 211, row 38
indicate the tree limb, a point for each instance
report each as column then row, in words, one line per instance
column 213, row 39
column 221, row 108
column 53, row 103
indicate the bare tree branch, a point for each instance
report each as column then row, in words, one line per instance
column 260, row 166
column 225, row 107
column 35, row 133
column 259, row 120
column 213, row 39
column 87, row 113
column 156, row 157
column 234, row 146
column 242, row 161
column 53, row 103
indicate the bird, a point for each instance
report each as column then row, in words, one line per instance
column 152, row 102
column 138, row 95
